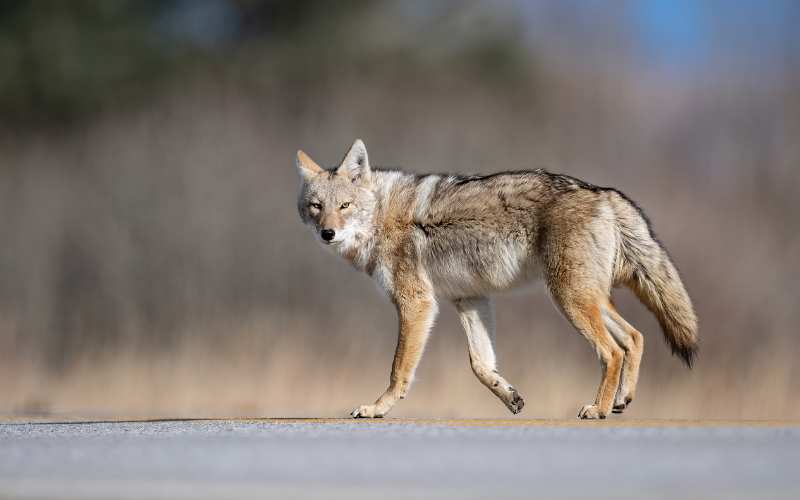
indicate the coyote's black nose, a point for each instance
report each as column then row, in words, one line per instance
column 327, row 234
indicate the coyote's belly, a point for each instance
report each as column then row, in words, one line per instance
column 480, row 269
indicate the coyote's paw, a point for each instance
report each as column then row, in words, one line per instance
column 514, row 403
column 367, row 411
column 621, row 404
column 590, row 412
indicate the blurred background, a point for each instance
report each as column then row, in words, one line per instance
column 153, row 264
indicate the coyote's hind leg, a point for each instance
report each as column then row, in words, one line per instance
column 476, row 316
column 586, row 316
column 632, row 342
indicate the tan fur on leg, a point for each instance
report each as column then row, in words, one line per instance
column 632, row 342
column 587, row 319
column 416, row 314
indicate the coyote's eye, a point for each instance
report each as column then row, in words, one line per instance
column 344, row 205
column 316, row 205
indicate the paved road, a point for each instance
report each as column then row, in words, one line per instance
column 389, row 459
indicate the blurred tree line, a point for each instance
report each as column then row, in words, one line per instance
column 61, row 61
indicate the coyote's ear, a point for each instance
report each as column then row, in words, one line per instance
column 306, row 166
column 355, row 165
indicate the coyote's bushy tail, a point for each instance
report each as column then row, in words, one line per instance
column 650, row 273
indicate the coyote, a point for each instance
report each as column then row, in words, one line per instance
column 424, row 238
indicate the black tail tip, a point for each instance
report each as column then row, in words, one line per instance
column 686, row 353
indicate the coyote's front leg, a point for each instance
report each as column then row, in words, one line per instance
column 477, row 317
column 416, row 314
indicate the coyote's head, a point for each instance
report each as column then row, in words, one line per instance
column 338, row 204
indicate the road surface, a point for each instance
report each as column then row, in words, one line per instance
column 388, row 459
